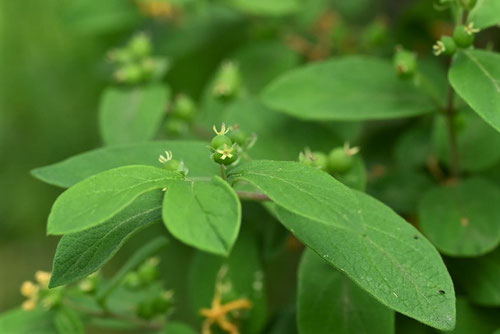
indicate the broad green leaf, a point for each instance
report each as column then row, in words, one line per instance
column 472, row 319
column 242, row 276
column 329, row 302
column 479, row 277
column 475, row 76
column 177, row 328
column 277, row 57
column 413, row 148
column 130, row 115
column 267, row 8
column 203, row 214
column 98, row 198
column 349, row 88
column 485, row 14
column 460, row 219
column 67, row 321
column 39, row 321
column 80, row 254
column 95, row 17
column 477, row 142
column 68, row 172
column 360, row 236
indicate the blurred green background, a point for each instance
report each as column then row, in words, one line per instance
column 49, row 87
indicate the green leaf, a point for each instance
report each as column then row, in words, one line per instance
column 479, row 277
column 329, row 302
column 67, row 321
column 474, row 133
column 98, row 198
column 349, row 88
column 360, row 236
column 277, row 57
column 266, row 8
column 241, row 273
column 80, row 254
column 203, row 214
column 75, row 169
column 485, row 14
column 460, row 219
column 39, row 321
column 475, row 76
column 177, row 328
column 130, row 115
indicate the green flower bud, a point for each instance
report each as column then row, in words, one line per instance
column 464, row 35
column 405, row 63
column 467, row 4
column 227, row 81
column 140, row 45
column 445, row 46
column 184, row 108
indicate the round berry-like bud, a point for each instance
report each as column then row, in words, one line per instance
column 171, row 165
column 140, row 45
column 467, row 4
column 339, row 161
column 227, row 160
column 405, row 63
column 463, row 36
column 132, row 281
column 130, row 74
column 176, row 127
column 450, row 47
column 148, row 271
column 184, row 108
column 238, row 136
column 227, row 81
column 219, row 141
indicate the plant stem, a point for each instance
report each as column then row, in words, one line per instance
column 223, row 171
column 251, row 196
column 452, row 133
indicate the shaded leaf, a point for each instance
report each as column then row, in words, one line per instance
column 67, row 321
column 479, row 277
column 18, row 321
column 349, row 88
column 459, row 219
column 130, row 115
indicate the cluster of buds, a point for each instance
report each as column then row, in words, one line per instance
column 228, row 143
column 134, row 61
column 339, row 161
column 463, row 37
column 37, row 292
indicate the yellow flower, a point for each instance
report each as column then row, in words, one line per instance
column 227, row 152
column 42, row 277
column 29, row 289
column 29, row 305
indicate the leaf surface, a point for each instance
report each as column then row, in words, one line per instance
column 329, row 302
column 203, row 214
column 460, row 220
column 75, row 169
column 475, row 76
column 360, row 236
column 80, row 254
column 98, row 198
column 485, row 14
column 349, row 88
column 130, row 115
